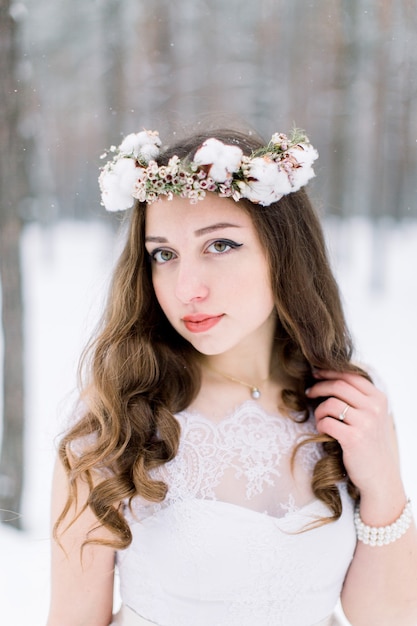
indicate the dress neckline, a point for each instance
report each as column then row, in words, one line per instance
column 256, row 409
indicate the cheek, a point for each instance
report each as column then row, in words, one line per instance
column 269, row 295
column 257, row 285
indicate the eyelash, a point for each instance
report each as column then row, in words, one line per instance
column 227, row 242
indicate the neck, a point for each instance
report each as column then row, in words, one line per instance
column 221, row 393
column 245, row 368
column 254, row 388
column 253, row 368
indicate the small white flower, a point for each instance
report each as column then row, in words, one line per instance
column 223, row 160
column 117, row 183
column 280, row 140
column 152, row 169
column 173, row 165
column 144, row 145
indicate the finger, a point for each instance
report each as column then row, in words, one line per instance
column 356, row 380
column 338, row 389
column 374, row 405
column 336, row 409
column 334, row 428
column 342, row 415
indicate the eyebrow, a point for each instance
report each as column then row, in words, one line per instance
column 198, row 232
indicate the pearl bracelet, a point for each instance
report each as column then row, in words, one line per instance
column 382, row 536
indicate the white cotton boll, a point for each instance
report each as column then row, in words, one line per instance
column 130, row 144
column 127, row 173
column 149, row 152
column 117, row 185
column 263, row 168
column 270, row 184
column 222, row 159
column 300, row 177
column 111, row 196
column 141, row 145
column 304, row 153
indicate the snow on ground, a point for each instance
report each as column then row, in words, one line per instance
column 66, row 269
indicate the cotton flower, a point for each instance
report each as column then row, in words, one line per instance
column 267, row 183
column 117, row 182
column 143, row 146
column 223, row 160
column 305, row 155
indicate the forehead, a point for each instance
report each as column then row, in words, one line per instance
column 179, row 214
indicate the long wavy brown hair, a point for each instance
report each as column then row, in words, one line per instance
column 138, row 371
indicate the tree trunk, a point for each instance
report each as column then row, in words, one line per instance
column 12, row 177
column 11, row 456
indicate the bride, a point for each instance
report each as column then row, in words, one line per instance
column 228, row 458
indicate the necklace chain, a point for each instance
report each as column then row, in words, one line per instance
column 255, row 392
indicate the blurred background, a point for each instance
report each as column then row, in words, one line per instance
column 75, row 77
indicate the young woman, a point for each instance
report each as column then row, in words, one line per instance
column 229, row 457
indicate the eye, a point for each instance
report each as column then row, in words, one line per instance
column 161, row 255
column 221, row 246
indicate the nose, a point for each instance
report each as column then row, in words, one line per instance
column 190, row 283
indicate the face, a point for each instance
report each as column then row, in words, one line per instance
column 210, row 273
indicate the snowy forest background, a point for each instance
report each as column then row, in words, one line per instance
column 77, row 76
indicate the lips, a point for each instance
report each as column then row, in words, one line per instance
column 200, row 323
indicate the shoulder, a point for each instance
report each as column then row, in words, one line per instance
column 82, row 574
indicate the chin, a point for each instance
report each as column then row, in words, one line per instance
column 212, row 349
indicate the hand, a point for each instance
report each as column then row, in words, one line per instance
column 366, row 433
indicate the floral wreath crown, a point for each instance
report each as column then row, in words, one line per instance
column 269, row 173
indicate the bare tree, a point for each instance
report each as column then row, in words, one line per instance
column 11, row 191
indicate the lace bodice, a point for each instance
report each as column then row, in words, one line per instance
column 243, row 459
column 225, row 547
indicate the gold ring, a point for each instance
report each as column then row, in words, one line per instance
column 342, row 415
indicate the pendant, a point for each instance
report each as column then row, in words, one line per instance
column 255, row 393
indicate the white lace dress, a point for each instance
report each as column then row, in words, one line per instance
column 224, row 548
